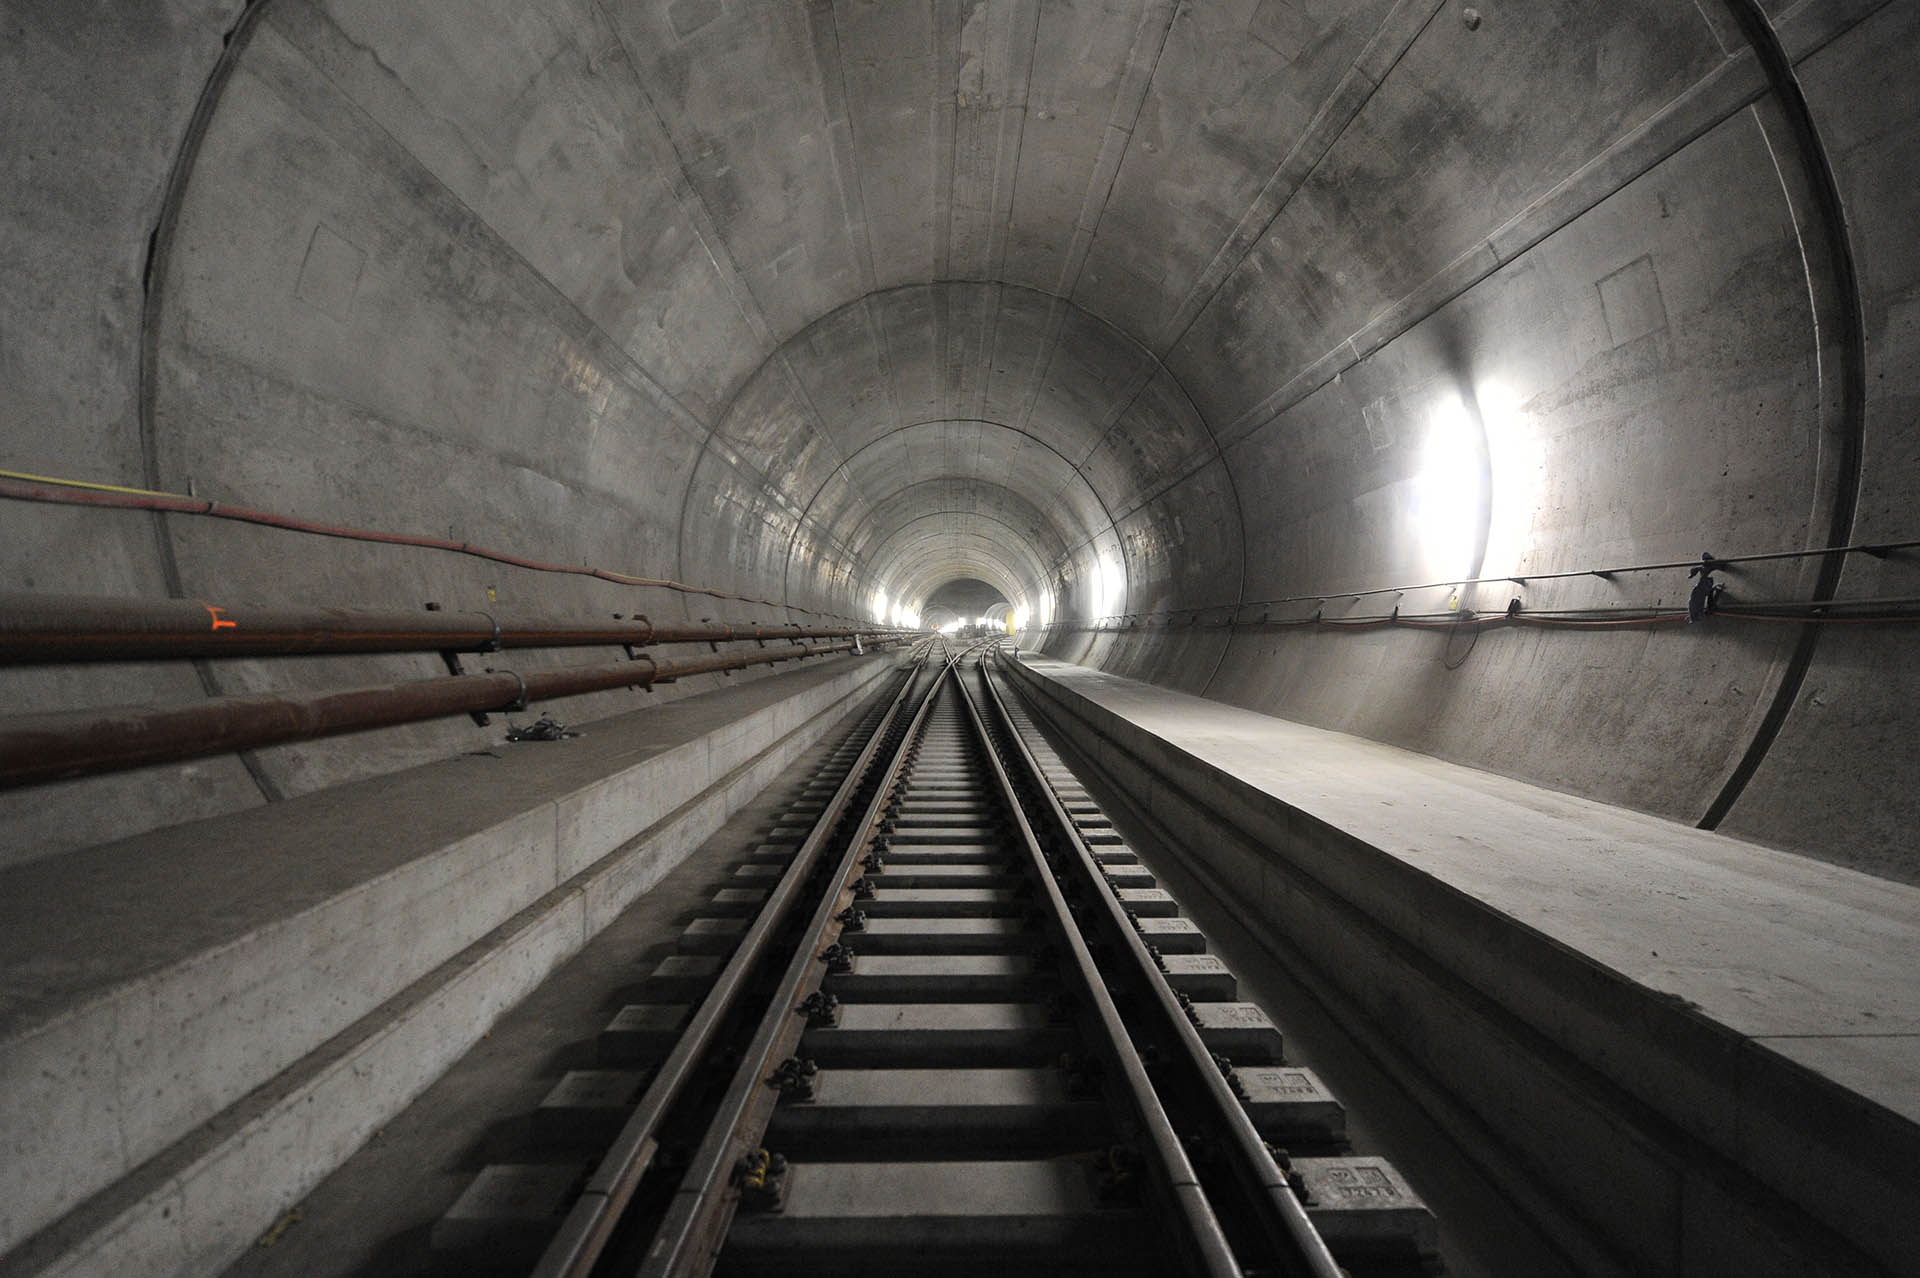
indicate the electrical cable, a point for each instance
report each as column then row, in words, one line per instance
column 22, row 486
column 1473, row 641
column 1577, row 619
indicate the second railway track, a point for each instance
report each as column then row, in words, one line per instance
column 964, row 1032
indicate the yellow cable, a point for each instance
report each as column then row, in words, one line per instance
column 81, row 483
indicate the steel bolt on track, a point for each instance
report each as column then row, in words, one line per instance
column 946, row 1043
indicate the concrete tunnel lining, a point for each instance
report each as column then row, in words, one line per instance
column 1016, row 542
column 1282, row 256
column 1074, row 383
column 1136, row 305
column 953, row 546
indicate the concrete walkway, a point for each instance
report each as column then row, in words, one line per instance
column 198, row 1023
column 1596, row 925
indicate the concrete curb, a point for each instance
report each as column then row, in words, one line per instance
column 1684, row 1126
column 192, row 1206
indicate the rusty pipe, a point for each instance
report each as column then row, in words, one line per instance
column 42, row 628
column 51, row 747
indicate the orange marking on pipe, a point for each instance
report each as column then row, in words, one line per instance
column 218, row 622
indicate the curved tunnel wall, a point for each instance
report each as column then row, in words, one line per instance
column 1118, row 307
column 1652, row 345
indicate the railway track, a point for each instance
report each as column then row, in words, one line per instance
column 944, row 1023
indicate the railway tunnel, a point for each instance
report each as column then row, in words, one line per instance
column 1436, row 481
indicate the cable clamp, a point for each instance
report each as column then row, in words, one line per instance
column 1706, row 591
column 454, row 668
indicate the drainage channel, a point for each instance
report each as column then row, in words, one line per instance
column 946, row 1024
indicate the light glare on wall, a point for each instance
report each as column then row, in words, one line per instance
column 1109, row 586
column 1517, row 471
column 1449, row 492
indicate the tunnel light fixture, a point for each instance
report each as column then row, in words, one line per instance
column 1109, row 585
column 1517, row 471
column 1450, row 492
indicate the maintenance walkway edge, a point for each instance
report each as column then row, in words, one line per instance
column 1709, row 1048
column 197, row 1024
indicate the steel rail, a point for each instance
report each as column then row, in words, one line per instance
column 1304, row 1252
column 42, row 628
column 36, row 748
column 1203, row 1240
column 595, row 1215
column 695, row 1223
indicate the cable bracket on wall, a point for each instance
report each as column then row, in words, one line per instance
column 520, row 701
column 454, row 668
column 1706, row 591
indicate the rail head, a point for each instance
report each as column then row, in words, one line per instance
column 697, row 1218
column 688, row 1237
column 1203, row 1242
column 590, row 1224
column 1303, row 1251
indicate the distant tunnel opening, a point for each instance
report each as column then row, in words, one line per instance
column 966, row 604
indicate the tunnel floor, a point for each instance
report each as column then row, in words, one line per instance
column 1481, row 1234
column 374, row 1214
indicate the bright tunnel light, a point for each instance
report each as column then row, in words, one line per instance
column 1449, row 491
column 1517, row 472
column 1109, row 585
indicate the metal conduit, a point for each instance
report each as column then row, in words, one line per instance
column 50, row 747
column 43, row 628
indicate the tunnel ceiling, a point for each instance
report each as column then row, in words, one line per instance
column 832, row 302
column 1035, row 263
column 1147, row 307
column 959, row 261
column 1048, row 249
